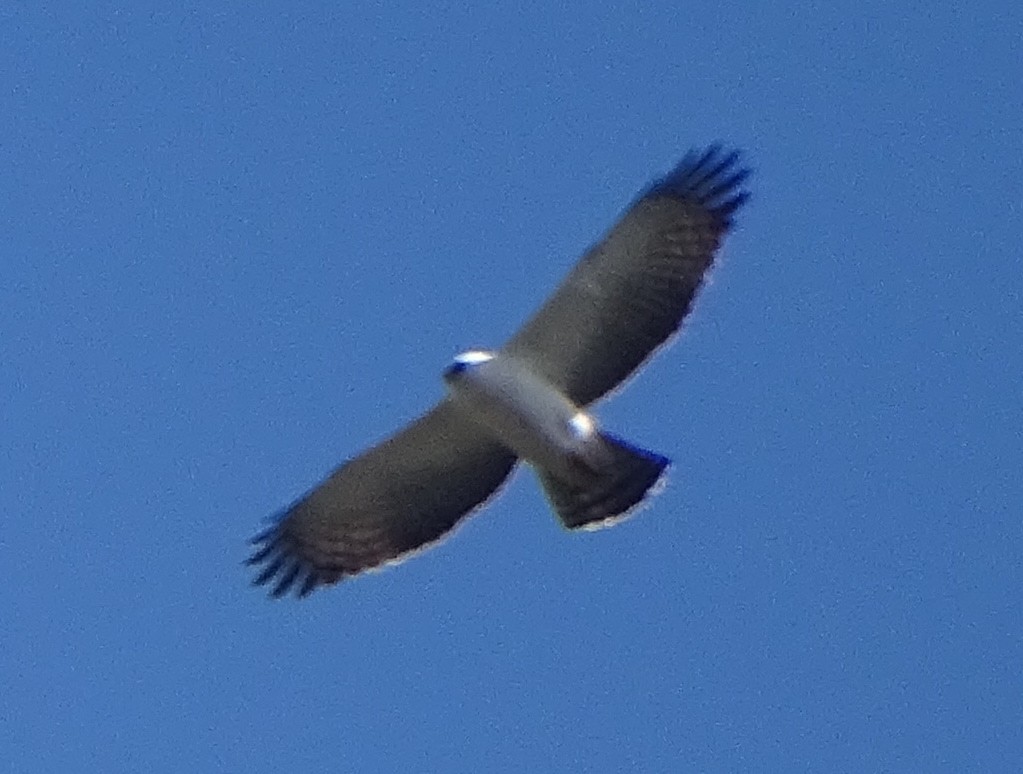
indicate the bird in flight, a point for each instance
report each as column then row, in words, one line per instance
column 526, row 401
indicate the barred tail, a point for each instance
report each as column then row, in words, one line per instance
column 612, row 492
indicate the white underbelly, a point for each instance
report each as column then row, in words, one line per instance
column 524, row 412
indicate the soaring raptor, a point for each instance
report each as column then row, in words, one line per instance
column 526, row 401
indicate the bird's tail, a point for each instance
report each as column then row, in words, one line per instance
column 607, row 495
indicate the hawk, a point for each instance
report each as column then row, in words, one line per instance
column 525, row 401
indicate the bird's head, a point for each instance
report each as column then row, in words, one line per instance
column 465, row 362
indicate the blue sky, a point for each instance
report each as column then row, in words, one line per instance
column 240, row 243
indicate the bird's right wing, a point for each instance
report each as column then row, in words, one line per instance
column 630, row 292
column 397, row 497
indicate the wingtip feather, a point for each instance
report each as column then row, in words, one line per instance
column 277, row 569
column 712, row 177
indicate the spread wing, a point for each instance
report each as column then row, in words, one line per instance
column 631, row 291
column 401, row 495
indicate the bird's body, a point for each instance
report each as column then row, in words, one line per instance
column 528, row 400
column 530, row 416
column 591, row 478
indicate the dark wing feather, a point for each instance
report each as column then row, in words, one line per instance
column 631, row 291
column 399, row 496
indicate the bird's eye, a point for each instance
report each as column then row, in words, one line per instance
column 456, row 367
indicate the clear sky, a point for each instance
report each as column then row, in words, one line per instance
column 239, row 242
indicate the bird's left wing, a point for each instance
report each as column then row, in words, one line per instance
column 397, row 497
column 630, row 292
